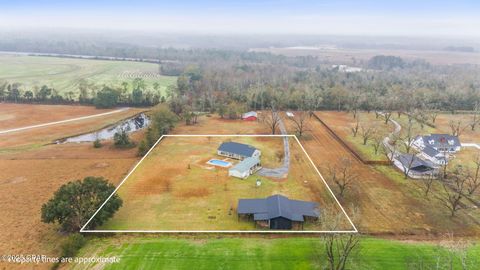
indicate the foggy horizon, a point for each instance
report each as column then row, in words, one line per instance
column 437, row 19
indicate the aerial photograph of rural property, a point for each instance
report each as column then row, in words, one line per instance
column 339, row 135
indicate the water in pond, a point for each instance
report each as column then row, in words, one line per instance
column 130, row 125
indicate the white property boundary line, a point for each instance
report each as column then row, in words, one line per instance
column 218, row 231
column 62, row 121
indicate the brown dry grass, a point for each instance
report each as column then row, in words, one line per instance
column 21, row 115
column 193, row 192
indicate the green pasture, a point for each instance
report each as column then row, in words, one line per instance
column 212, row 252
column 65, row 74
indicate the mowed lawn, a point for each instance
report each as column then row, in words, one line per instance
column 175, row 189
column 65, row 74
column 205, row 252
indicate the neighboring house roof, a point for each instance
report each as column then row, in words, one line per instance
column 416, row 163
column 277, row 206
column 441, row 140
column 430, row 151
column 237, row 148
column 246, row 164
column 248, row 114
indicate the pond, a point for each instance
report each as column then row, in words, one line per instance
column 129, row 125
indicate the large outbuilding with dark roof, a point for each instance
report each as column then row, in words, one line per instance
column 278, row 212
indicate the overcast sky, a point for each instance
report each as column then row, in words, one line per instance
column 459, row 18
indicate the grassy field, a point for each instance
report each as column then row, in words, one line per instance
column 174, row 188
column 64, row 74
column 261, row 253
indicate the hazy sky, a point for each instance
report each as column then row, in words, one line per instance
column 342, row 17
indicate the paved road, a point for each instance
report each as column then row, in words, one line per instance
column 475, row 145
column 61, row 122
column 279, row 172
column 386, row 140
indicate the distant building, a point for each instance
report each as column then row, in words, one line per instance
column 290, row 114
column 238, row 150
column 439, row 142
column 278, row 212
column 250, row 116
column 415, row 166
column 245, row 168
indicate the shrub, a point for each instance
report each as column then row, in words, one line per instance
column 97, row 143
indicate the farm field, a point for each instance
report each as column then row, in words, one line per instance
column 28, row 179
column 356, row 56
column 253, row 252
column 65, row 74
column 174, row 189
column 21, row 115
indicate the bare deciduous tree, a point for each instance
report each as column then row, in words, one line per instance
column 366, row 132
column 300, row 122
column 454, row 190
column 342, row 175
column 387, row 115
column 377, row 140
column 475, row 120
column 356, row 127
column 338, row 249
column 428, row 183
column 409, row 137
column 272, row 120
column 473, row 180
column 456, row 127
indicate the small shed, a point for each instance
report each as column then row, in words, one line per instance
column 250, row 116
column 245, row 168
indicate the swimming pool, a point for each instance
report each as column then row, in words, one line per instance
column 220, row 163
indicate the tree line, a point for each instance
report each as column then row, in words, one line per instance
column 135, row 94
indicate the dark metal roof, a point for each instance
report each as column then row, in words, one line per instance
column 415, row 164
column 237, row 148
column 441, row 140
column 277, row 206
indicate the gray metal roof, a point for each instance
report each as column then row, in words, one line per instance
column 246, row 164
column 277, row 206
column 237, row 148
column 430, row 151
column 441, row 140
column 417, row 163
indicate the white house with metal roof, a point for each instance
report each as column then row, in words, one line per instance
column 245, row 168
column 439, row 142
